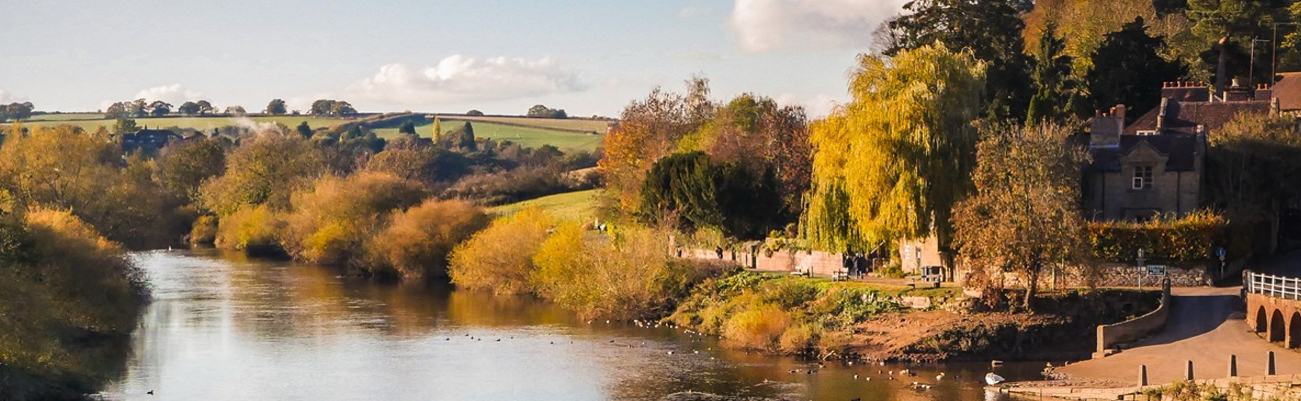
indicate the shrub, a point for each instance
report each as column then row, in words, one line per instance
column 626, row 276
column 69, row 303
column 204, row 230
column 417, row 243
column 252, row 229
column 83, row 267
column 1188, row 239
column 500, row 258
column 759, row 327
column 331, row 222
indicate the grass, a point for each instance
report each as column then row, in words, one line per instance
column 538, row 132
column 573, row 124
column 199, row 123
column 529, row 137
column 573, row 206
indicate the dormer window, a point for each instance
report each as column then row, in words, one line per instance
column 1142, row 177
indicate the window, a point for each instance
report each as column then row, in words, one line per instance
column 1142, row 177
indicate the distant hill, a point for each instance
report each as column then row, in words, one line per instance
column 566, row 134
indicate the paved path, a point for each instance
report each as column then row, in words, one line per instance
column 1206, row 326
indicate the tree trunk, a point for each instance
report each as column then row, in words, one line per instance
column 1031, row 288
column 1220, row 66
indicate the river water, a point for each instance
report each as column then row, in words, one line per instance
column 225, row 327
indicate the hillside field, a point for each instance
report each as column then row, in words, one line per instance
column 527, row 136
column 573, row 206
column 528, row 132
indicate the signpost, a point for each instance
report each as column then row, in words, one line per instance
column 1156, row 270
column 1221, row 253
column 1140, row 259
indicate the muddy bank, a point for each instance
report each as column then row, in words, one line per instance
column 848, row 320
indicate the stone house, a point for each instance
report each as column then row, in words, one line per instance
column 149, row 141
column 1155, row 165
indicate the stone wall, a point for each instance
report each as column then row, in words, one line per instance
column 1112, row 334
column 1108, row 275
column 819, row 263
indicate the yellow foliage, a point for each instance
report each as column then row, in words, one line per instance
column 419, row 240
column 94, row 285
column 759, row 327
column 892, row 162
column 331, row 221
column 500, row 258
column 204, row 230
column 626, row 276
column 253, row 229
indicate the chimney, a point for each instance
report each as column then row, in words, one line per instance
column 1106, row 128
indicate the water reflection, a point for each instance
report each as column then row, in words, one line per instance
column 226, row 327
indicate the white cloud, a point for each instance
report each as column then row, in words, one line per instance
column 174, row 94
column 766, row 25
column 815, row 107
column 458, row 79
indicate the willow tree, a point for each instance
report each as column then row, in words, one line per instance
column 892, row 162
column 1024, row 216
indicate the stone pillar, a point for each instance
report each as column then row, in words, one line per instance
column 1188, row 375
column 1270, row 370
column 1142, row 375
column 1233, row 366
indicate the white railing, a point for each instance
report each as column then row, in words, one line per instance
column 1274, row 286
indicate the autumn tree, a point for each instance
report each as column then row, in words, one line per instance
column 892, row 162
column 1083, row 25
column 1251, row 166
column 184, row 166
column 1024, row 216
column 1130, row 71
column 264, row 170
column 753, row 132
column 990, row 30
column 649, row 129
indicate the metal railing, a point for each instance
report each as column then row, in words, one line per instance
column 1274, row 286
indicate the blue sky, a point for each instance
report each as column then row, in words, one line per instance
column 586, row 56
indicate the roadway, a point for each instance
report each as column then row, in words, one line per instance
column 1206, row 326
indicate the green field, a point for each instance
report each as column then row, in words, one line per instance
column 529, row 137
column 572, row 206
column 528, row 132
column 199, row 123
column 572, row 124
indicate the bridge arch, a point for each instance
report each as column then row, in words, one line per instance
column 1262, row 320
column 1294, row 331
column 1277, row 328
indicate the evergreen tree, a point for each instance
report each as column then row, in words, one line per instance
column 1127, row 70
column 990, row 30
column 1055, row 90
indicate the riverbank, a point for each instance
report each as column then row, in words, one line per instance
column 1235, row 388
column 785, row 314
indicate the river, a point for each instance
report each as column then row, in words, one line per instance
column 225, row 327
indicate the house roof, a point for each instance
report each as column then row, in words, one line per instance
column 1180, row 149
column 1184, row 117
column 1288, row 90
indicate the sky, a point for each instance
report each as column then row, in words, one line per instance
column 589, row 57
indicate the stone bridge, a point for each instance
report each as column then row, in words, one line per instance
column 1274, row 307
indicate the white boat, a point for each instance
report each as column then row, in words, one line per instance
column 993, row 379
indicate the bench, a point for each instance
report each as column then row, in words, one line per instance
column 841, row 275
column 802, row 271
